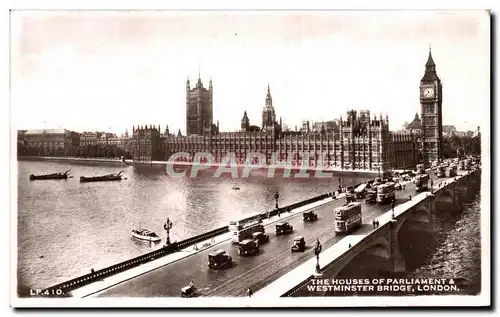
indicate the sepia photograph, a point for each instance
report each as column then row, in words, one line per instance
column 250, row 158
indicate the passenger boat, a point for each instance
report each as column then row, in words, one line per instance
column 104, row 178
column 146, row 235
column 50, row 176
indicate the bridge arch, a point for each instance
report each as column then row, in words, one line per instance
column 420, row 213
column 445, row 195
column 379, row 246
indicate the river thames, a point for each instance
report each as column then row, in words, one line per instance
column 66, row 228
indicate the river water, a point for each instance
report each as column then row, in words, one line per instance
column 457, row 253
column 66, row 228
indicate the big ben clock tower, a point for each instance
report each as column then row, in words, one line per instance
column 431, row 97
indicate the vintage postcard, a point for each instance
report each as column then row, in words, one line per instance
column 183, row 158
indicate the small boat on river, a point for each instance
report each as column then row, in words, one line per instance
column 103, row 178
column 50, row 176
column 146, row 235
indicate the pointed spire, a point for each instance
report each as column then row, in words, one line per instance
column 269, row 99
column 430, row 61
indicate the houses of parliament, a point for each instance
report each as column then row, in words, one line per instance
column 358, row 141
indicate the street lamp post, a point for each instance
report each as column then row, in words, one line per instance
column 167, row 226
column 276, row 197
column 317, row 251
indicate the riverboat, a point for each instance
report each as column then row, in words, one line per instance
column 50, row 176
column 145, row 234
column 103, row 178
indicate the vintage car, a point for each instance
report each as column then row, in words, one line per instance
column 349, row 198
column 397, row 185
column 310, row 216
column 188, row 291
column 260, row 237
column 299, row 244
column 248, row 247
column 283, row 227
column 219, row 259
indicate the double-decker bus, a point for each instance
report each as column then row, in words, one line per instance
column 371, row 195
column 247, row 231
column 348, row 217
column 386, row 193
column 422, row 182
column 239, row 224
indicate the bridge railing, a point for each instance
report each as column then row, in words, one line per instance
column 68, row 286
column 292, row 291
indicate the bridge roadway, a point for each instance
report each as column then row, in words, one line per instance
column 274, row 259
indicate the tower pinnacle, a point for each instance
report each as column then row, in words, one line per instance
column 430, row 61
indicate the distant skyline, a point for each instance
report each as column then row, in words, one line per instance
column 108, row 71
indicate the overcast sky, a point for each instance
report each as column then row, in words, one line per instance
column 110, row 70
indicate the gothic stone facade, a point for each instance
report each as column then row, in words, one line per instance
column 360, row 143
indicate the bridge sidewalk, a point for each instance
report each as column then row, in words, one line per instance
column 106, row 283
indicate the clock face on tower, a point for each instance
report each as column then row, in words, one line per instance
column 429, row 92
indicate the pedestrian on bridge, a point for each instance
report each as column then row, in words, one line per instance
column 249, row 292
column 374, row 224
column 410, row 196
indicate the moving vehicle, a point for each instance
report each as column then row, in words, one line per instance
column 371, row 195
column 420, row 169
column 360, row 191
column 299, row 244
column 386, row 193
column 452, row 170
column 283, row 228
column 260, row 237
column 462, row 165
column 240, row 224
column 50, row 176
column 378, row 181
column 310, row 216
column 248, row 247
column 103, row 178
column 441, row 172
column 247, row 232
column 422, row 182
column 468, row 164
column 235, row 187
column 397, row 185
column 350, row 197
column 219, row 259
column 348, row 218
column 188, row 291
column 145, row 234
